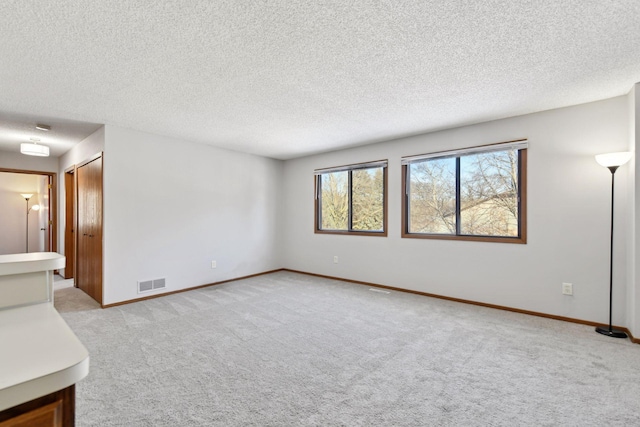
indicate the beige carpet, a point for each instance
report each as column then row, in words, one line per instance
column 70, row 299
column 292, row 350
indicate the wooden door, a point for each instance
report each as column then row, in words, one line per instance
column 89, row 229
column 69, row 225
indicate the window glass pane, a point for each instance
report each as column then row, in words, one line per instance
column 489, row 194
column 367, row 199
column 335, row 203
column 432, row 196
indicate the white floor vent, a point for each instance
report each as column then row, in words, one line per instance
column 150, row 285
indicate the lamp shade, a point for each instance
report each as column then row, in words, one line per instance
column 614, row 159
column 26, row 195
column 35, row 207
column 34, row 149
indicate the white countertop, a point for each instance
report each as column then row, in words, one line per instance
column 31, row 262
column 39, row 354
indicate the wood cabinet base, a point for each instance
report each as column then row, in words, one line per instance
column 53, row 410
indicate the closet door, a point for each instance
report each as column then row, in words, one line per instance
column 89, row 231
column 69, row 224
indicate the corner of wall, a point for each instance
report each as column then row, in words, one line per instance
column 633, row 251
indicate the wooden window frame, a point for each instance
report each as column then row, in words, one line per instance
column 522, row 222
column 350, row 169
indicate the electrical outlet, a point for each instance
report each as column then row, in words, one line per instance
column 214, row 264
column 335, row 259
column 567, row 289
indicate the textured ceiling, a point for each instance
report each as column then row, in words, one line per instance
column 288, row 78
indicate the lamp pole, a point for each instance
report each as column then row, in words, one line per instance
column 610, row 331
column 27, row 197
column 612, row 161
column 27, row 226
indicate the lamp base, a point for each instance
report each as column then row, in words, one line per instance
column 611, row 332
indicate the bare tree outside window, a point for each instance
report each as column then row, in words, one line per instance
column 432, row 188
column 352, row 200
column 489, row 194
column 474, row 195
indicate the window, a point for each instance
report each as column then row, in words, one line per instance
column 352, row 199
column 476, row 193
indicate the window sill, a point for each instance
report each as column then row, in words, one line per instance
column 353, row 233
column 492, row 239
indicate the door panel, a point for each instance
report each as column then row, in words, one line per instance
column 89, row 229
column 69, row 233
column 82, row 279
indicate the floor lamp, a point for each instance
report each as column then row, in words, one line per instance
column 612, row 161
column 35, row 208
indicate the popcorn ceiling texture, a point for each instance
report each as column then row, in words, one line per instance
column 285, row 79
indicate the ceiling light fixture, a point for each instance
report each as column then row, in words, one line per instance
column 44, row 128
column 34, row 149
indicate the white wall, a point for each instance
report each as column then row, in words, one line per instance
column 85, row 149
column 568, row 219
column 82, row 151
column 12, row 222
column 41, row 217
column 633, row 240
column 16, row 160
column 171, row 207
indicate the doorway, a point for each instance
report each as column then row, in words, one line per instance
column 28, row 223
column 69, row 222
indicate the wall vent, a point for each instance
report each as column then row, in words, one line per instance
column 145, row 286
column 159, row 284
column 150, row 285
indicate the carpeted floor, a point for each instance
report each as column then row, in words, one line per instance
column 286, row 349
